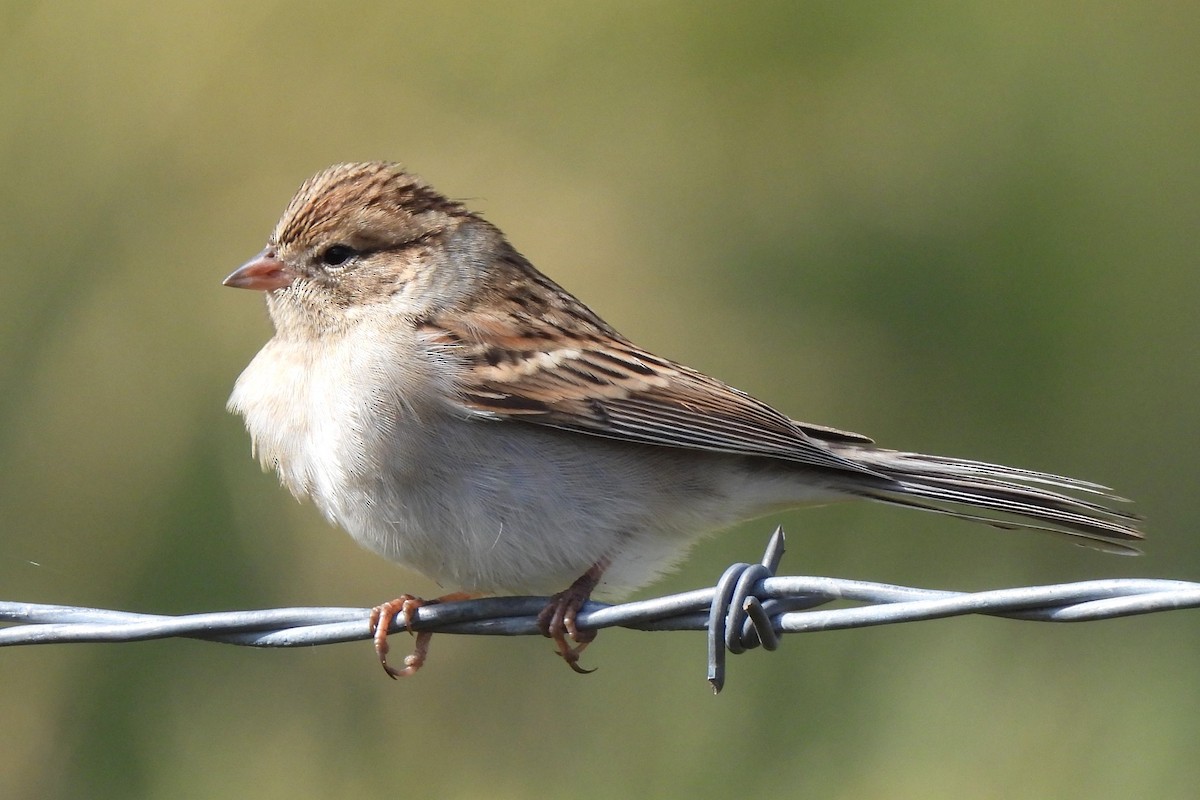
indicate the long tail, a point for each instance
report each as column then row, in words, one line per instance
column 1006, row 497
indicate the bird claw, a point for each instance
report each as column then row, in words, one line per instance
column 557, row 619
column 381, row 620
column 403, row 607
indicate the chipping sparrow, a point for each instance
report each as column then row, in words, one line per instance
column 458, row 412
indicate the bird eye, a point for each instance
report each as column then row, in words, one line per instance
column 336, row 255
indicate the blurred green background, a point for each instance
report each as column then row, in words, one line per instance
column 967, row 228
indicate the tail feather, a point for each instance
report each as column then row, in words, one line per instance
column 931, row 465
column 969, row 489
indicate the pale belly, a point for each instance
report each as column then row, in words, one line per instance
column 490, row 506
column 511, row 507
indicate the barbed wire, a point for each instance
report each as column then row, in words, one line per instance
column 749, row 607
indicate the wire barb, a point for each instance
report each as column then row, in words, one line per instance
column 732, row 625
column 749, row 607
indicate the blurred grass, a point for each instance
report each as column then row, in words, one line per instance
column 966, row 228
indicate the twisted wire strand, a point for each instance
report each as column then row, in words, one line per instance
column 748, row 608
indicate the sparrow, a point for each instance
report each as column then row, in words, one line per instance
column 458, row 412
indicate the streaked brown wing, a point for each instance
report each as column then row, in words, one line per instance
column 584, row 377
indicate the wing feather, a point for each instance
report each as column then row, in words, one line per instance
column 588, row 379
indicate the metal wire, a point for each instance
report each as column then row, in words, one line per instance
column 748, row 608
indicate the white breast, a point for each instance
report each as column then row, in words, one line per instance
column 331, row 417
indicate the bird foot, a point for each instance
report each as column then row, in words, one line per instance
column 402, row 608
column 557, row 619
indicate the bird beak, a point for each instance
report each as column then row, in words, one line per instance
column 264, row 272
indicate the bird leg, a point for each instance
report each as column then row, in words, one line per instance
column 404, row 606
column 557, row 619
